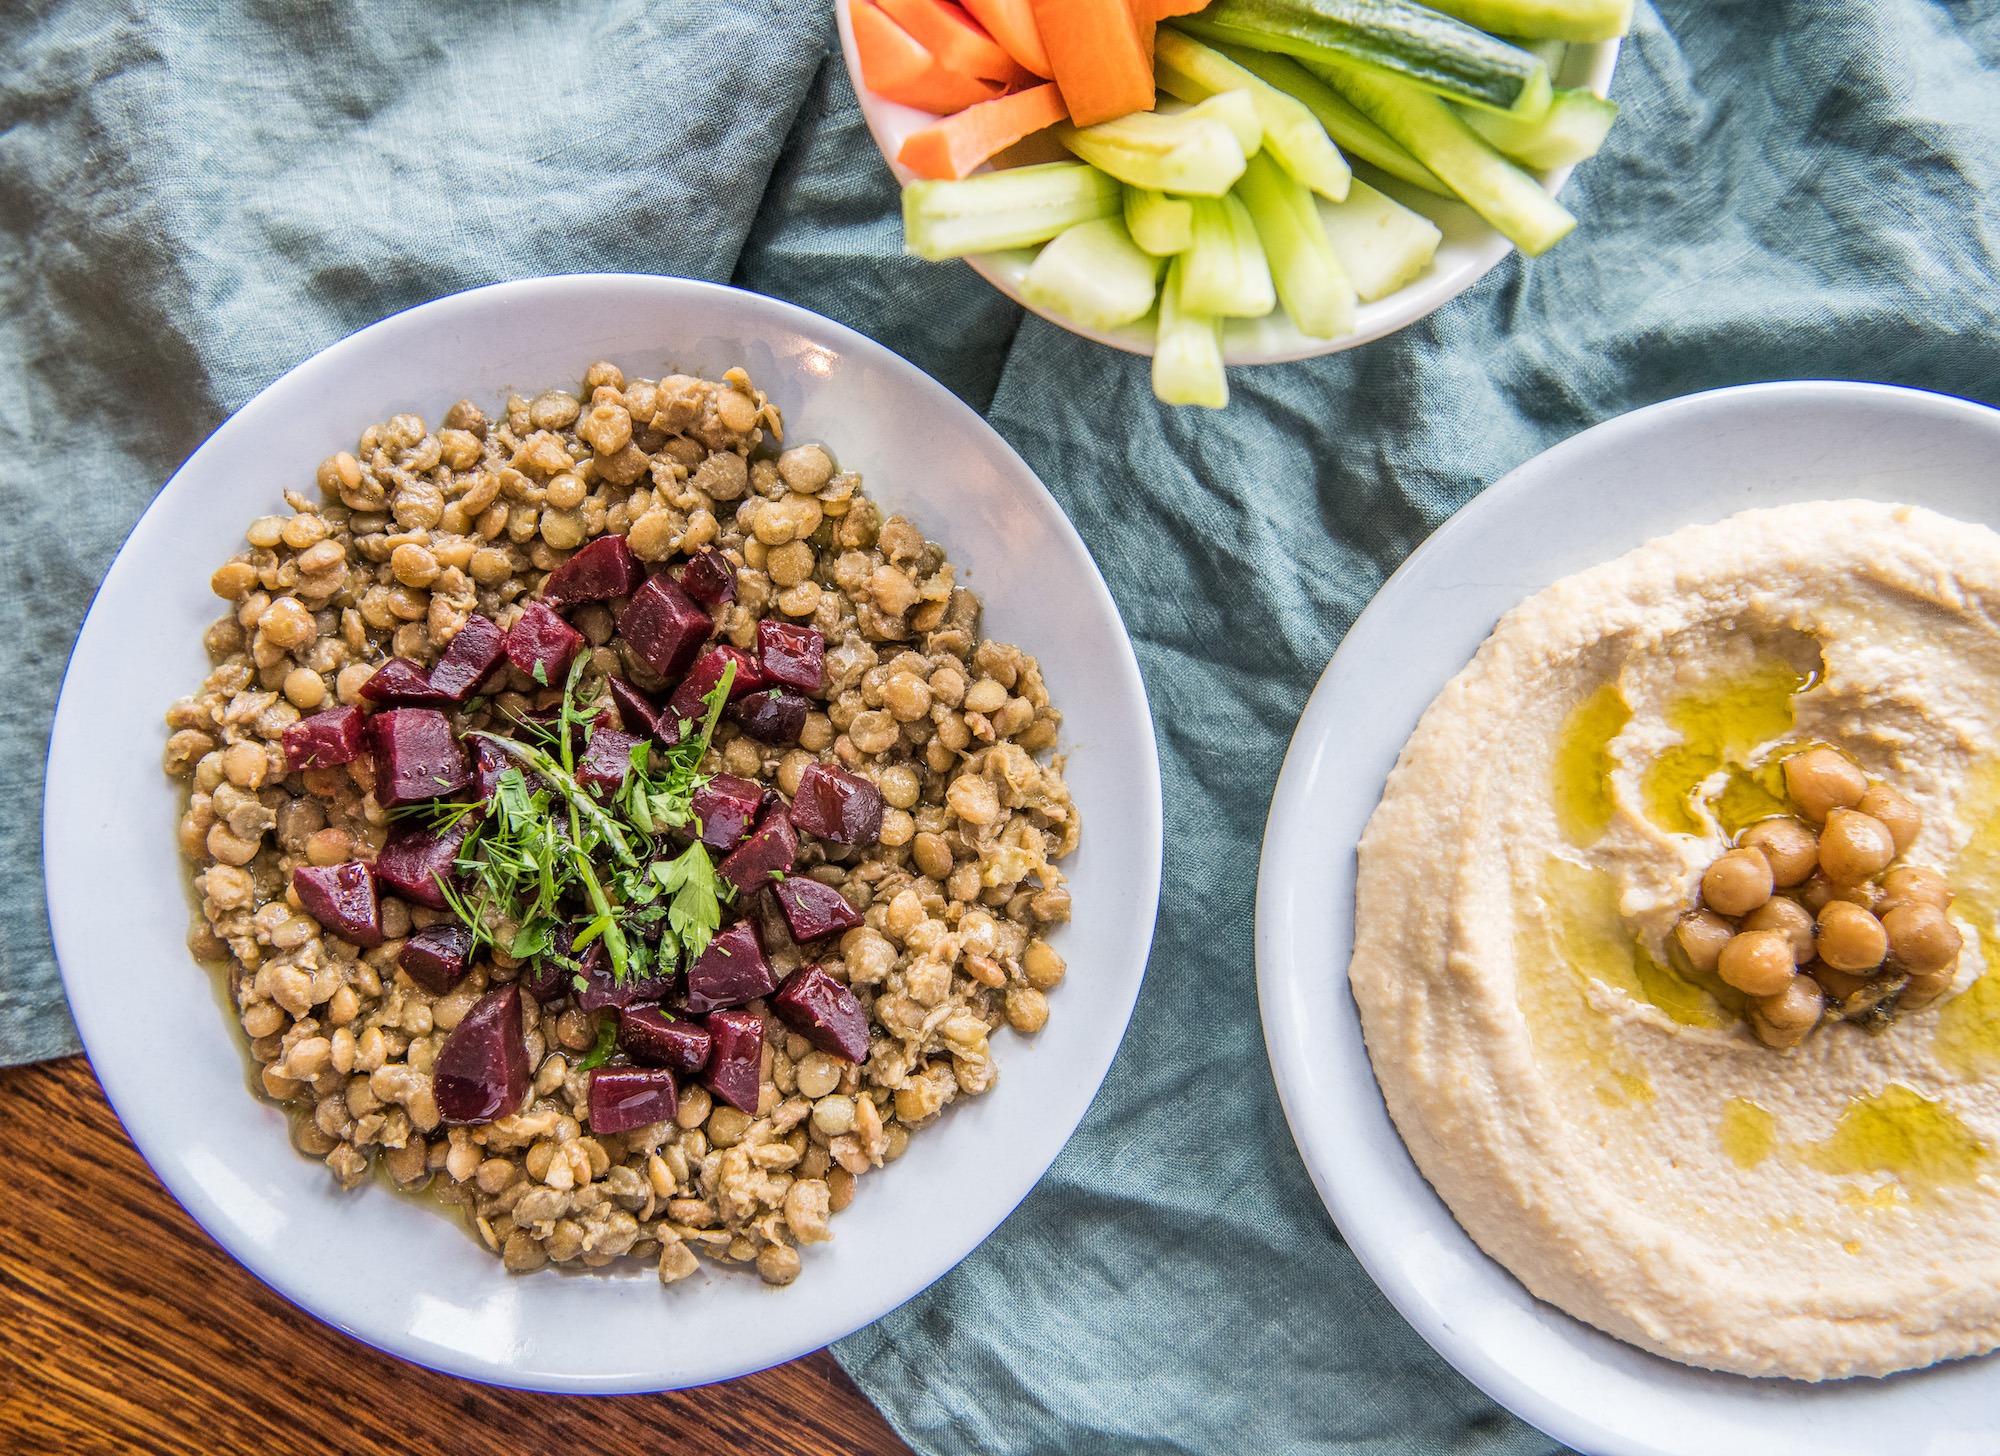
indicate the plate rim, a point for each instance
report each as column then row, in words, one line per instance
column 764, row 318
column 1281, row 979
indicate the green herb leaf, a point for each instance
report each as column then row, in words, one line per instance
column 607, row 1039
column 695, row 912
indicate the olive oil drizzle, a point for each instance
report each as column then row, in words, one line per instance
column 1968, row 1028
column 1583, row 764
column 1724, row 726
column 1919, row 1142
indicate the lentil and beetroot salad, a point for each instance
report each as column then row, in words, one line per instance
column 613, row 824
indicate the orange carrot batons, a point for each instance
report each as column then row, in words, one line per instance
column 896, row 67
column 951, row 148
column 955, row 40
column 1011, row 23
column 1100, row 62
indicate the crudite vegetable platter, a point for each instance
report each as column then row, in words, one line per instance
column 649, row 912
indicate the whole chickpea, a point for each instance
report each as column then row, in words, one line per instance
column 1757, row 962
column 1787, row 918
column 1791, row 848
column 1917, row 885
column 1854, row 846
column 1903, row 819
column 1823, row 779
column 1782, row 1020
column 1702, row 935
column 1922, row 939
column 1737, row 883
column 1849, row 938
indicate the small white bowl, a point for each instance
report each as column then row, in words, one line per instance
column 1588, row 500
column 169, row 1053
column 1468, row 253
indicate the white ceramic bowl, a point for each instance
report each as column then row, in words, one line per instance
column 1585, row 501
column 1469, row 251
column 399, row 1274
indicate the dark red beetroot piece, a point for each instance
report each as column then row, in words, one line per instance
column 731, row 971
column 638, row 715
column 489, row 761
column 479, row 644
column 416, row 757
column 647, row 1034
column 399, row 682
column 605, row 568
column 325, row 740
column 708, row 577
column 543, row 645
column 622, row 1098
column 824, row 1012
column 546, row 977
column 601, row 989
column 726, row 806
column 436, row 957
column 606, row 759
column 775, row 716
column 665, row 626
column 735, row 1058
column 766, row 854
column 482, row 1068
column 414, row 860
column 342, row 899
column 835, row 804
column 792, row 655
column 812, row 909
column 706, row 673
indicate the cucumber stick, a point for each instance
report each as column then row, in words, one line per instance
column 1405, row 39
column 1544, row 19
column 1196, row 153
column 1191, row 71
column 1094, row 275
column 1225, row 271
column 1573, row 128
column 1311, row 284
column 1007, row 209
column 1382, row 244
column 1352, row 132
column 1187, row 351
column 1508, row 198
column 1159, row 224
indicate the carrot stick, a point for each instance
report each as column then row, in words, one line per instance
column 951, row 148
column 1099, row 61
column 1167, row 9
column 896, row 67
column 955, row 39
column 1012, row 24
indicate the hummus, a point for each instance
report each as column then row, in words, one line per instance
column 1608, row 1128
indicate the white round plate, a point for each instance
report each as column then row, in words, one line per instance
column 387, row 1269
column 1588, row 500
column 1470, row 249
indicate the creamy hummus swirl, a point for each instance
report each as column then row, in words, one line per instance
column 1608, row 1128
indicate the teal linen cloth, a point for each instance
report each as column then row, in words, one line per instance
column 194, row 198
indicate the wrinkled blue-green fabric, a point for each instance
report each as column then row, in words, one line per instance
column 194, row 198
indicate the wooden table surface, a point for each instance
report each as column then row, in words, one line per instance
column 123, row 1327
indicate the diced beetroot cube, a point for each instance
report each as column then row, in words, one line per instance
column 706, row 673
column 342, row 899
column 792, row 655
column 416, row 859
column 400, row 682
column 813, row 909
column 665, row 626
column 482, row 1069
column 622, row 1098
column 636, row 713
column 479, row 644
column 416, row 757
column 735, row 1059
column 647, row 1034
column 824, row 1012
column 325, row 740
column 835, row 804
column 731, row 971
column 774, row 716
column 607, row 759
column 436, row 957
column 601, row 989
column 766, row 854
column 603, row 569
column 489, row 761
column 543, row 645
column 726, row 806
column 708, row 577
column 554, row 973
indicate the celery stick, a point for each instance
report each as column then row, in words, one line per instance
column 1573, row 128
column 1160, row 224
column 1352, row 132
column 1544, row 19
column 1004, row 209
column 1186, row 68
column 1508, row 198
column 1238, row 112
column 1381, row 243
column 1195, row 155
column 1094, row 275
column 1311, row 284
column 1187, row 351
column 1225, row 271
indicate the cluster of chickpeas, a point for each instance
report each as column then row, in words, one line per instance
column 417, row 529
column 1810, row 914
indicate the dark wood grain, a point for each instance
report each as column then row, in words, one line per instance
column 123, row 1327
